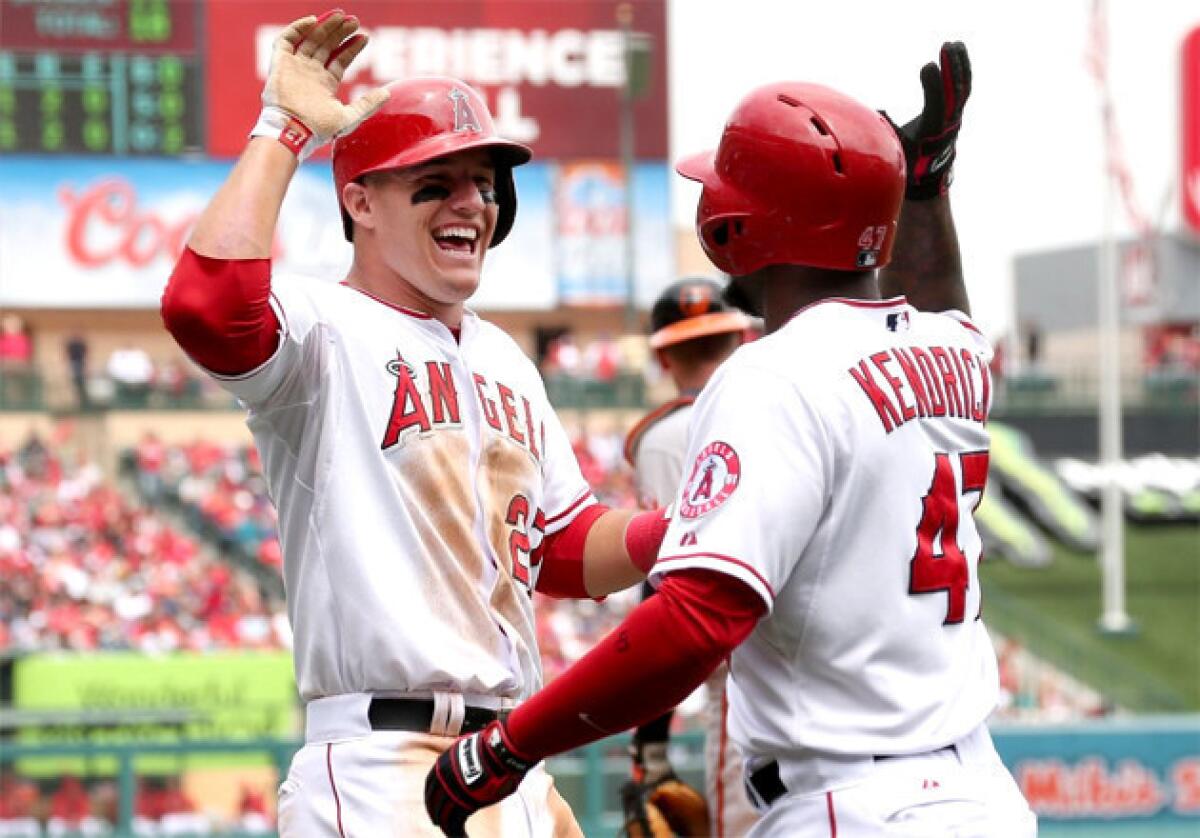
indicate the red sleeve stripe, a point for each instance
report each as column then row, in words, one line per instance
column 587, row 495
column 660, row 565
column 337, row 800
column 967, row 324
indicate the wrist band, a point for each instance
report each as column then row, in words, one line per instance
column 280, row 125
column 643, row 536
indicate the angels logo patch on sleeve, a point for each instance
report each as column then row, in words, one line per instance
column 714, row 477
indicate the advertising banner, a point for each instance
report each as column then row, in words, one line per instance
column 552, row 72
column 219, row 695
column 591, row 227
column 1143, row 772
column 105, row 233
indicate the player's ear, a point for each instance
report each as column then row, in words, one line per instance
column 357, row 202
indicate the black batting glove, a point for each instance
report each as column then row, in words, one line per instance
column 929, row 138
column 477, row 770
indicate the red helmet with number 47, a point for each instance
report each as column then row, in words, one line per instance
column 425, row 118
column 803, row 175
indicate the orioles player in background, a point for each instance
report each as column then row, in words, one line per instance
column 423, row 483
column 693, row 331
column 836, row 556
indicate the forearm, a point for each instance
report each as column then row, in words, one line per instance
column 663, row 650
column 926, row 265
column 620, row 549
column 239, row 222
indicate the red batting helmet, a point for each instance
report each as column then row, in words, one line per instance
column 803, row 175
column 422, row 119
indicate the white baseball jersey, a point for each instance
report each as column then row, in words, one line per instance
column 655, row 448
column 415, row 477
column 833, row 467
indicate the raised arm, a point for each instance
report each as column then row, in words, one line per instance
column 216, row 303
column 926, row 265
column 301, row 112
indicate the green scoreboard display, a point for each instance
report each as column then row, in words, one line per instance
column 101, row 77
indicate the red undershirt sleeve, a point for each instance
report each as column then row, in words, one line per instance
column 219, row 311
column 662, row 651
column 561, row 574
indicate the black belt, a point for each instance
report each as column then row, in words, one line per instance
column 416, row 715
column 767, row 785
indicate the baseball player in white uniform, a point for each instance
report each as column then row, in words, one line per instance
column 424, row 486
column 823, row 532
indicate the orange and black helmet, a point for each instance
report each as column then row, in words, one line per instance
column 692, row 308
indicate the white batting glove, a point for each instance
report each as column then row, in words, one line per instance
column 300, row 105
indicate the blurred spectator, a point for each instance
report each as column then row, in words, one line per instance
column 71, row 811
column 253, row 816
column 18, row 805
column 176, row 384
column 17, row 376
column 563, row 356
column 602, row 358
column 76, row 349
column 1173, row 348
column 179, row 815
column 1032, row 333
column 16, row 346
column 132, row 373
column 147, row 807
column 151, row 454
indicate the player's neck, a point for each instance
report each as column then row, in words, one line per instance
column 788, row 288
column 691, row 380
column 386, row 285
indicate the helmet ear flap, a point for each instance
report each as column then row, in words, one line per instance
column 506, row 201
column 720, row 236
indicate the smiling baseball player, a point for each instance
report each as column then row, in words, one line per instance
column 424, row 485
column 824, row 530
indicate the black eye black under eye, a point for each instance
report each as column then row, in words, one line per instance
column 433, row 192
column 488, row 193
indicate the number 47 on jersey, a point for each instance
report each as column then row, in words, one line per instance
column 929, row 571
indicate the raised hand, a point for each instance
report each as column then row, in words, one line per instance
column 929, row 138
column 309, row 60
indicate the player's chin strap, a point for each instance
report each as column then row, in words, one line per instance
column 449, row 710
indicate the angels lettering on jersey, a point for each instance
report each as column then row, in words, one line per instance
column 417, row 410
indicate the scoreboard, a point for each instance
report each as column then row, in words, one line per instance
column 101, row 77
column 173, row 78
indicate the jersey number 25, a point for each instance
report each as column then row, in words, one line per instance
column 931, row 572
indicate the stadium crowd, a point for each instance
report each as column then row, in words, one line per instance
column 86, row 568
